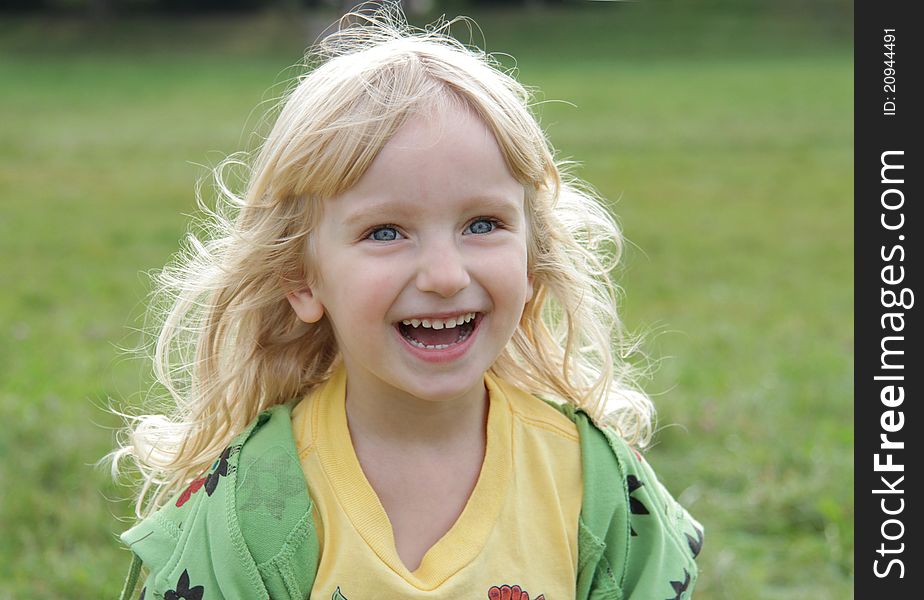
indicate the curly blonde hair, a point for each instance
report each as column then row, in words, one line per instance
column 229, row 344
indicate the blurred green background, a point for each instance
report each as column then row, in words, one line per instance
column 720, row 131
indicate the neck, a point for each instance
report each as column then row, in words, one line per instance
column 389, row 417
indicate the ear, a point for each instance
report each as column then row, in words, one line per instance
column 529, row 288
column 306, row 305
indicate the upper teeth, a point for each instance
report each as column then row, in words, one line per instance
column 440, row 323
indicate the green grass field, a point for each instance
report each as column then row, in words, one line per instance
column 723, row 138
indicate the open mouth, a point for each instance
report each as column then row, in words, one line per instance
column 438, row 335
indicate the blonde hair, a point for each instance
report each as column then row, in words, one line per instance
column 230, row 345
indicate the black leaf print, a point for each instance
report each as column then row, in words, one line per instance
column 681, row 586
column 696, row 544
column 221, row 469
column 183, row 591
column 635, row 505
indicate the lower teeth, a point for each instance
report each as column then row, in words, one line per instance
column 428, row 346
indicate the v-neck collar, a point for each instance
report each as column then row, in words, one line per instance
column 467, row 536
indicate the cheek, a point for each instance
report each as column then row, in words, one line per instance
column 359, row 296
column 507, row 276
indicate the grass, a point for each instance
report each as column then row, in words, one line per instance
column 723, row 138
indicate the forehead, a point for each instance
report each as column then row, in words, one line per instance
column 439, row 158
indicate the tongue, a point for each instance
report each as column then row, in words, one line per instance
column 433, row 337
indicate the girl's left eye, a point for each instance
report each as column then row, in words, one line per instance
column 482, row 226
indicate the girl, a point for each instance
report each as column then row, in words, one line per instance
column 399, row 346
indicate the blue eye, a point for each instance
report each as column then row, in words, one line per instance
column 384, row 234
column 482, row 226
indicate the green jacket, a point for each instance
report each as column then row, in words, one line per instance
column 245, row 529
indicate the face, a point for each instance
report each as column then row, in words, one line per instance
column 422, row 264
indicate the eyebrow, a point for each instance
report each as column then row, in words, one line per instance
column 395, row 207
column 375, row 207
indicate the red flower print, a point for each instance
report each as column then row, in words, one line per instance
column 506, row 592
column 188, row 492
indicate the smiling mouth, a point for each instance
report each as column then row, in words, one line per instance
column 438, row 339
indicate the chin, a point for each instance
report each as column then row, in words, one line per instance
column 444, row 387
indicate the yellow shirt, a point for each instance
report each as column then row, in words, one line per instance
column 516, row 538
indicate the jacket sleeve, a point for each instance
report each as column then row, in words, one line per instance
column 635, row 541
column 242, row 529
column 191, row 548
column 663, row 539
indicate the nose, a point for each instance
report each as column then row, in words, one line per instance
column 442, row 270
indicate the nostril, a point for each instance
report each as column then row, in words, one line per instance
column 443, row 276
